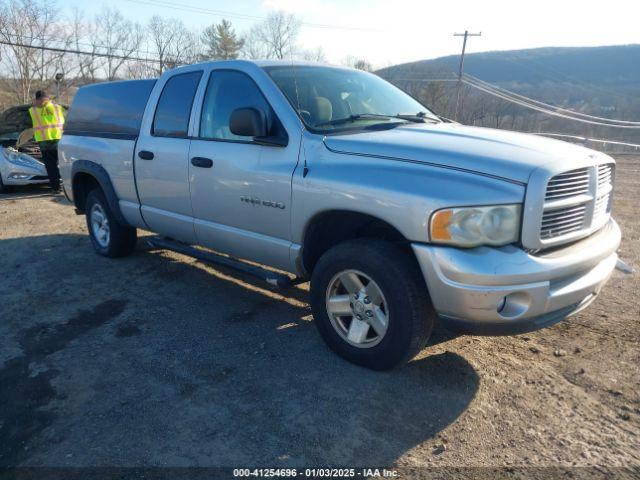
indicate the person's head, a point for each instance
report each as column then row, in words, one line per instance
column 41, row 98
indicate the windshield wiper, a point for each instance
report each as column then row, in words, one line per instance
column 420, row 117
column 353, row 118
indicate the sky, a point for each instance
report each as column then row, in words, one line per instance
column 387, row 32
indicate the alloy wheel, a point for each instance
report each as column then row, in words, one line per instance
column 100, row 225
column 357, row 308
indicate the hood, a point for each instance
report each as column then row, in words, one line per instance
column 500, row 153
column 22, row 160
column 17, row 119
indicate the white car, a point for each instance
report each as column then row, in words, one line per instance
column 18, row 168
column 19, row 155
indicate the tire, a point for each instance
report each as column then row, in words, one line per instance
column 401, row 297
column 108, row 237
column 3, row 187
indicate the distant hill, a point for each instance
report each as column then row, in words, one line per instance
column 602, row 81
column 614, row 66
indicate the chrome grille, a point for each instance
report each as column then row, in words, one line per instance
column 601, row 207
column 562, row 221
column 576, row 201
column 605, row 174
column 568, row 184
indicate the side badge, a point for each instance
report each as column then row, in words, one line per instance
column 264, row 203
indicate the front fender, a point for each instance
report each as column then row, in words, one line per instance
column 403, row 194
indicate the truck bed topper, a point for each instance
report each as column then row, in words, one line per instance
column 111, row 110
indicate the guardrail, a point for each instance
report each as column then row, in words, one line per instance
column 608, row 146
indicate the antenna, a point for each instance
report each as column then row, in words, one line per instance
column 305, row 170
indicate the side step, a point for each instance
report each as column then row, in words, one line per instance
column 272, row 278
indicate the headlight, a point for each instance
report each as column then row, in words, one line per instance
column 21, row 159
column 473, row 226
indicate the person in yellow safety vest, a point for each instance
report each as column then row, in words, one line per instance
column 48, row 121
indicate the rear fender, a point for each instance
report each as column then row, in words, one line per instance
column 103, row 179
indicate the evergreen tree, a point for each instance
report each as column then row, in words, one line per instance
column 221, row 41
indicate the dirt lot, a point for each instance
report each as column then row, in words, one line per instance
column 157, row 359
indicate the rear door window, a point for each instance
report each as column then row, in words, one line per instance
column 174, row 107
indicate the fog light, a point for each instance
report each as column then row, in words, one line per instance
column 501, row 304
column 19, row 176
column 514, row 305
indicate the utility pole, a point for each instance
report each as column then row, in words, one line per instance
column 460, row 99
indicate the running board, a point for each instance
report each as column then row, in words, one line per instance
column 624, row 268
column 272, row 278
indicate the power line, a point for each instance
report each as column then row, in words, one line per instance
column 240, row 16
column 584, row 139
column 77, row 52
column 422, row 79
column 530, row 103
column 544, row 110
column 546, row 105
column 48, row 39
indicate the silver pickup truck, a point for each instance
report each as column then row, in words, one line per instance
column 397, row 217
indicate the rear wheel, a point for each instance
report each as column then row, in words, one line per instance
column 108, row 237
column 370, row 303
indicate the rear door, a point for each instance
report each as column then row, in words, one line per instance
column 162, row 159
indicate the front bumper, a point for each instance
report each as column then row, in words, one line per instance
column 504, row 291
column 25, row 179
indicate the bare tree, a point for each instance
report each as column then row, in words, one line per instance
column 435, row 96
column 29, row 26
column 172, row 43
column 116, row 37
column 315, row 55
column 279, row 33
column 84, row 39
column 498, row 112
column 254, row 48
column 161, row 37
column 359, row 63
column 136, row 69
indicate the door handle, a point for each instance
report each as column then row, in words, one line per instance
column 202, row 162
column 145, row 155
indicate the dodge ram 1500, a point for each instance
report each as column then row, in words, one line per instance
column 396, row 217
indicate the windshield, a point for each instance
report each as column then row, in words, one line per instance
column 329, row 99
column 9, row 135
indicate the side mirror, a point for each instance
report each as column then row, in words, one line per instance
column 248, row 122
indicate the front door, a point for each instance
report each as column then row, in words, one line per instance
column 162, row 160
column 241, row 193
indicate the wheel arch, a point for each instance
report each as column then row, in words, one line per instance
column 87, row 175
column 331, row 227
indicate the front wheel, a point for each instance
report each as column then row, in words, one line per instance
column 370, row 303
column 108, row 237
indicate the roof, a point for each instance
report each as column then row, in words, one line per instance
column 273, row 63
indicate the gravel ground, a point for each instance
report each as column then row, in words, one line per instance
column 159, row 360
